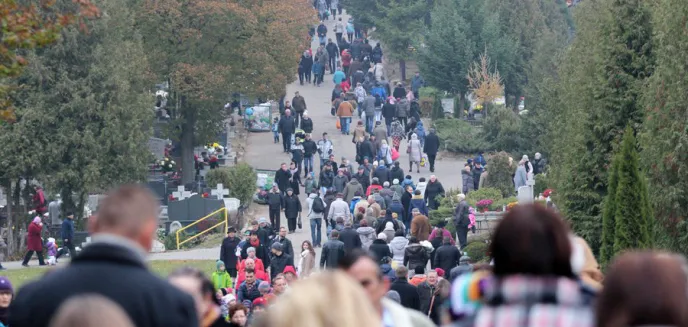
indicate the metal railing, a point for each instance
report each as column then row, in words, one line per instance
column 225, row 221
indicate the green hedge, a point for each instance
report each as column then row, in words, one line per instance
column 459, row 136
column 477, row 251
column 484, row 193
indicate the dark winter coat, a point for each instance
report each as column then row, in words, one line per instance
column 265, row 235
column 322, row 30
column 350, row 238
column 467, row 179
column 461, row 213
column 425, row 292
column 398, row 208
column 332, row 251
column 432, row 191
column 332, row 50
column 287, row 247
column 326, row 178
column 142, row 295
column 282, row 178
column 227, row 251
column 292, row 206
column 406, row 202
column 408, row 293
column 307, row 126
column 33, row 239
column 382, row 174
column 67, row 230
column 275, row 200
column 380, row 249
column 415, row 255
column 432, row 144
column 262, row 252
column 389, row 111
column 310, row 148
column 279, row 262
column 287, row 124
column 447, row 257
column 399, row 92
column 396, row 173
column 364, row 179
column 298, row 102
column 388, row 272
column 367, row 150
column 306, row 64
column 339, row 183
column 418, row 203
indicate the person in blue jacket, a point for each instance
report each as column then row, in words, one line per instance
column 67, row 235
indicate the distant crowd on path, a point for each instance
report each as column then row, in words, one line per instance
column 538, row 271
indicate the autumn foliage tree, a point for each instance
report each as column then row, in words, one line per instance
column 209, row 49
column 28, row 25
column 484, row 81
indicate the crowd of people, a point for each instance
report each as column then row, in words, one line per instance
column 538, row 274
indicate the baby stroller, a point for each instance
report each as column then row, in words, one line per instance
column 299, row 134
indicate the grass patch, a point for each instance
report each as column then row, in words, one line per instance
column 19, row 277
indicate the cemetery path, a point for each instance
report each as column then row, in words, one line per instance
column 262, row 153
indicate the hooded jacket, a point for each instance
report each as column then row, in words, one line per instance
column 351, row 188
column 397, row 173
column 382, row 174
column 367, row 236
column 467, row 179
column 339, row 183
column 292, row 206
column 380, row 249
column 326, row 178
column 398, row 247
column 415, row 255
column 418, row 202
column 403, row 108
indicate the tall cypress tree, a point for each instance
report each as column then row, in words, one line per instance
column 609, row 214
column 632, row 209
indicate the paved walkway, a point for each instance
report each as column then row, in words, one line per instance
column 264, row 154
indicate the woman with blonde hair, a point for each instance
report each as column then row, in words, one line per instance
column 90, row 310
column 311, row 301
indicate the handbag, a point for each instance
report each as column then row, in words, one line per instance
column 298, row 222
column 339, row 124
column 332, row 111
column 408, row 149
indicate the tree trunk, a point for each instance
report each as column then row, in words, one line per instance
column 402, row 69
column 79, row 214
column 187, row 142
column 462, row 103
column 11, row 241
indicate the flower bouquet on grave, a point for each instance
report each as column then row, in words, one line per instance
column 483, row 204
column 168, row 165
column 511, row 205
column 547, row 193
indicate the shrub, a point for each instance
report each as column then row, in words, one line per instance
column 239, row 179
column 445, row 211
column 500, row 204
column 499, row 174
column 484, row 193
column 541, row 184
column 501, row 129
column 476, row 250
column 459, row 136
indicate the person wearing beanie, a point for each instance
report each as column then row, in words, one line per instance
column 6, row 296
column 292, row 209
column 375, row 185
column 447, row 256
column 394, row 296
column 228, row 252
column 290, row 274
column 440, row 272
column 280, row 260
column 397, row 189
column 396, row 173
column 379, row 247
column 220, row 277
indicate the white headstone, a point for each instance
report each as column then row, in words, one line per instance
column 220, row 191
column 232, row 204
column 181, row 193
column 157, row 247
column 525, row 195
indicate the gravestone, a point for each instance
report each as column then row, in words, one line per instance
column 220, row 192
column 192, row 208
column 160, row 189
column 525, row 193
column 181, row 193
column 448, row 105
column 232, row 204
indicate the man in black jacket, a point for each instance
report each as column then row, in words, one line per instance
column 275, row 205
column 332, row 251
column 461, row 221
column 114, row 266
column 310, row 148
column 228, row 251
column 265, row 232
column 286, row 126
column 283, row 178
column 288, row 248
column 431, row 146
column 280, row 260
column 426, row 289
column 292, row 209
column 350, row 237
column 261, row 250
column 407, row 292
column 447, row 256
column 333, row 52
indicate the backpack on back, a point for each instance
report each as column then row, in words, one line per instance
column 318, row 205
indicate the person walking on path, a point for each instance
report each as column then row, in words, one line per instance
column 286, row 243
column 415, row 152
column 346, row 62
column 332, row 251
column 309, row 150
column 339, row 208
column 369, row 109
column 461, row 221
column 403, row 109
column 389, row 112
column 345, row 111
column 318, row 72
column 416, row 83
column 283, row 178
column 121, row 237
column 299, row 105
column 228, row 252
column 338, row 78
column 292, row 209
column 287, row 127
column 420, row 227
column 350, row 30
column 332, row 54
column 275, row 205
column 305, row 66
column 322, row 33
column 316, row 210
column 67, row 235
column 339, row 30
column 431, row 147
column 34, row 243
column 467, row 179
column 326, row 179
column 408, row 293
column 433, row 190
column 325, row 149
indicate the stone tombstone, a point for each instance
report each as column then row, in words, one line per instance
column 232, row 204
column 157, row 147
column 181, row 193
column 525, row 195
column 448, row 105
column 94, row 201
column 193, row 208
column 220, row 192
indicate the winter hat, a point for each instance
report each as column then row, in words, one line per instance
column 277, row 246
column 382, row 236
column 394, row 296
column 36, row 220
column 396, row 180
column 440, row 272
column 409, row 177
column 289, row 269
column 264, row 286
column 218, row 264
column 262, row 220
column 419, row 270
column 378, row 123
column 375, row 163
column 6, row 285
column 389, row 226
column 229, row 298
column 259, row 302
column 385, row 184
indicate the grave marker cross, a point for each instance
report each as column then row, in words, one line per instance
column 220, row 191
column 181, row 193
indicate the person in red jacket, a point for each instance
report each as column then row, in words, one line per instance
column 346, row 61
column 34, row 243
column 249, row 263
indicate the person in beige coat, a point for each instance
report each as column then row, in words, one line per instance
column 307, row 261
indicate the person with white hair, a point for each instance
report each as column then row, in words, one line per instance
column 521, row 175
column 528, row 166
column 539, row 164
